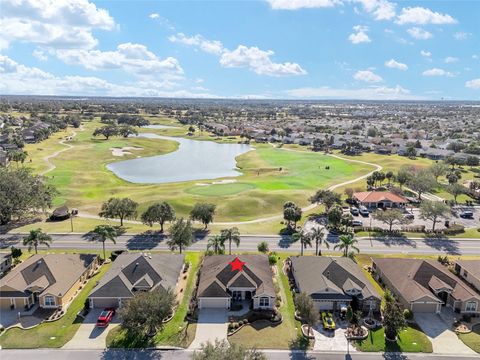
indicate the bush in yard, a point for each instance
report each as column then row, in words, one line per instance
column 272, row 259
column 408, row 314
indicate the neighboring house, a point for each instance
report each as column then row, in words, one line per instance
column 379, row 199
column 470, row 271
column 435, row 154
column 134, row 272
column 425, row 286
column 5, row 262
column 51, row 280
column 333, row 282
column 219, row 286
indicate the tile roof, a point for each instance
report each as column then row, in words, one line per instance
column 377, row 196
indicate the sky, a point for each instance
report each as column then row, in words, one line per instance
column 279, row 49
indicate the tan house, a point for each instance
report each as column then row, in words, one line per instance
column 379, row 199
column 219, row 285
column 470, row 271
column 51, row 280
column 425, row 286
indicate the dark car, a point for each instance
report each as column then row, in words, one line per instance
column 466, row 214
column 105, row 317
column 354, row 211
column 364, row 211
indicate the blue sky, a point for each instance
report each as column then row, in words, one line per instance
column 295, row 49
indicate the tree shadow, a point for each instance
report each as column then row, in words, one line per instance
column 393, row 239
column 200, row 234
column 140, row 354
column 147, row 240
column 4, row 229
column 285, row 241
column 9, row 241
column 442, row 243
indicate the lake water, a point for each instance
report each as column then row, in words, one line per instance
column 194, row 160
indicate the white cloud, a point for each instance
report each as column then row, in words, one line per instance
column 437, row 72
column 259, row 61
column 40, row 54
column 299, row 4
column 461, row 35
column 53, row 23
column 450, row 59
column 367, row 76
column 419, row 33
column 380, row 9
column 154, row 16
column 425, row 53
column 209, row 46
column 369, row 93
column 134, row 58
column 19, row 79
column 360, row 35
column 473, row 84
column 393, row 64
column 421, row 16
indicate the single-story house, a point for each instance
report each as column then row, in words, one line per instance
column 425, row 286
column 379, row 199
column 5, row 262
column 333, row 282
column 50, row 280
column 470, row 271
column 219, row 285
column 134, row 272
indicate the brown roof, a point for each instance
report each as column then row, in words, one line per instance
column 414, row 278
column 471, row 266
column 378, row 196
column 52, row 273
column 216, row 275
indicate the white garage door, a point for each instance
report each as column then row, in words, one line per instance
column 424, row 308
column 324, row 305
column 104, row 303
column 221, row 303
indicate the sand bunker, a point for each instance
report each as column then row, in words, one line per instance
column 124, row 150
column 226, row 181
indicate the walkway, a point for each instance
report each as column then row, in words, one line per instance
column 212, row 324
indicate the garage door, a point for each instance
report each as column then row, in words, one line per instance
column 5, row 304
column 221, row 303
column 104, row 303
column 424, row 308
column 324, row 305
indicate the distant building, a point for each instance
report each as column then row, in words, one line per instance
column 380, row 199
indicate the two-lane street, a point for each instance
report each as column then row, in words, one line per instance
column 388, row 245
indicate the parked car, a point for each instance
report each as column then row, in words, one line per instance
column 105, row 317
column 466, row 214
column 409, row 216
column 354, row 211
column 327, row 320
column 364, row 211
column 357, row 223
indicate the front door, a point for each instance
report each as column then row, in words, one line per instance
column 248, row 295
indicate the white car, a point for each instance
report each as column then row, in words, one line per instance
column 357, row 223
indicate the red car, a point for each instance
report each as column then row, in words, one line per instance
column 105, row 317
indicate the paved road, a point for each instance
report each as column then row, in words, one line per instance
column 429, row 246
column 47, row 354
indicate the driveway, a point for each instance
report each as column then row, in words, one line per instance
column 444, row 340
column 89, row 336
column 212, row 324
column 327, row 340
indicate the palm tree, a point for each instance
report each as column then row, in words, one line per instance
column 103, row 233
column 346, row 243
column 318, row 234
column 35, row 238
column 305, row 239
column 231, row 235
column 217, row 243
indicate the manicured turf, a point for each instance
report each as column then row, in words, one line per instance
column 410, row 340
column 286, row 335
column 54, row 334
column 220, row 189
column 176, row 332
column 472, row 339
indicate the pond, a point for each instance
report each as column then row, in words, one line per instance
column 193, row 160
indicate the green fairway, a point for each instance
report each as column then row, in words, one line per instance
column 270, row 176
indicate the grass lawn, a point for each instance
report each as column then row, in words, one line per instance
column 177, row 332
column 286, row 335
column 469, row 233
column 472, row 339
column 270, row 176
column 410, row 340
column 54, row 334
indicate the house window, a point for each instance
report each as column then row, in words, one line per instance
column 264, row 301
column 465, row 273
column 471, row 306
column 49, row 300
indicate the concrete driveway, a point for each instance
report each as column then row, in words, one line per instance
column 212, row 324
column 444, row 340
column 89, row 336
column 327, row 340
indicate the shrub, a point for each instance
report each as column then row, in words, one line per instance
column 407, row 314
column 467, row 317
column 272, row 259
column 115, row 254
